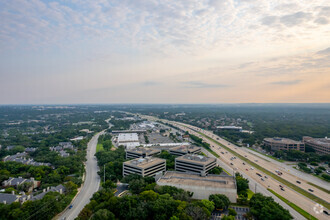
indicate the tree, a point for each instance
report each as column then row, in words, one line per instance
column 228, row 217
column 263, row 207
column 196, row 212
column 109, row 184
column 232, row 212
column 149, row 195
column 216, row 170
column 242, row 184
column 220, row 201
column 103, row 214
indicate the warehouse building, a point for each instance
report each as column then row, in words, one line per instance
column 194, row 163
column 201, row 186
column 148, row 166
column 277, row 144
column 141, row 152
column 128, row 140
column 184, row 149
column 320, row 145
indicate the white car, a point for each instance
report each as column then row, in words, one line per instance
column 251, row 168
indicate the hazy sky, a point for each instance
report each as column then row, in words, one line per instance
column 178, row 51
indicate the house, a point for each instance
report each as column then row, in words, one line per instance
column 12, row 181
column 60, row 189
column 7, row 198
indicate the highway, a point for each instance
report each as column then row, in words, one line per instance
column 91, row 183
column 251, row 172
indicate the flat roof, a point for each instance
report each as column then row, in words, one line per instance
column 128, row 137
column 279, row 140
column 143, row 150
column 196, row 158
column 325, row 142
column 185, row 148
column 192, row 179
column 144, row 162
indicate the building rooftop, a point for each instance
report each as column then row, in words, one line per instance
column 128, row 137
column 192, row 179
column 196, row 158
column 185, row 148
column 8, row 198
column 282, row 140
column 319, row 141
column 144, row 162
column 143, row 150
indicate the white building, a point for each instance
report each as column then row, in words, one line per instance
column 128, row 140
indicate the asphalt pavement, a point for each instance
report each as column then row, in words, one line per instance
column 91, row 183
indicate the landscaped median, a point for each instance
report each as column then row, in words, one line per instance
column 285, row 182
column 294, row 206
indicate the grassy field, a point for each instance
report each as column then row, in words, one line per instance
column 250, row 194
column 294, row 206
column 273, row 175
column 99, row 147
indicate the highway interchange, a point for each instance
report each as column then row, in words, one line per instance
column 250, row 171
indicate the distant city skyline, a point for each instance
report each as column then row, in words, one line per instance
column 131, row 51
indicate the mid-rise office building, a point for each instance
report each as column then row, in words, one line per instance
column 184, row 149
column 277, row 144
column 320, row 145
column 148, row 166
column 194, row 163
column 201, row 186
column 141, row 152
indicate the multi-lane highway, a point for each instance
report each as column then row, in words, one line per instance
column 256, row 175
column 91, row 183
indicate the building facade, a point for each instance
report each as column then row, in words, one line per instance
column 276, row 144
column 194, row 163
column 320, row 145
column 148, row 166
column 201, row 186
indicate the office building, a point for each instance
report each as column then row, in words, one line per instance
column 184, row 149
column 276, row 144
column 194, row 163
column 201, row 186
column 320, row 145
column 141, row 152
column 148, row 166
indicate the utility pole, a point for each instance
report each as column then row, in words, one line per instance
column 104, row 173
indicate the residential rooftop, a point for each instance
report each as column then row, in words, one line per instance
column 192, row 179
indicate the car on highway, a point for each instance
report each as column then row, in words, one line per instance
column 251, row 168
column 222, row 152
column 231, row 164
column 281, row 186
column 245, row 156
column 282, row 189
column 258, row 174
column 266, row 177
column 247, row 169
column 310, row 190
column 243, row 163
column 70, row 207
column 256, row 160
column 262, row 179
column 326, row 212
column 298, row 181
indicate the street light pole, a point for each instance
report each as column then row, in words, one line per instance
column 104, row 173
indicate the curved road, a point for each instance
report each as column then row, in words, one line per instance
column 91, row 183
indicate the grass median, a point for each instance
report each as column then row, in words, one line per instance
column 285, row 182
column 294, row 206
column 99, row 147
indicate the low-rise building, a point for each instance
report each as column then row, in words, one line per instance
column 8, row 198
column 141, row 152
column 276, row 144
column 60, row 189
column 148, row 166
column 320, row 145
column 128, row 140
column 184, row 149
column 12, row 181
column 201, row 186
column 194, row 163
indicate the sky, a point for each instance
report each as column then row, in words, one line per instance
column 178, row 51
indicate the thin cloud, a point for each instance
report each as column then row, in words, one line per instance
column 325, row 51
column 289, row 82
column 198, row 84
column 150, row 83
